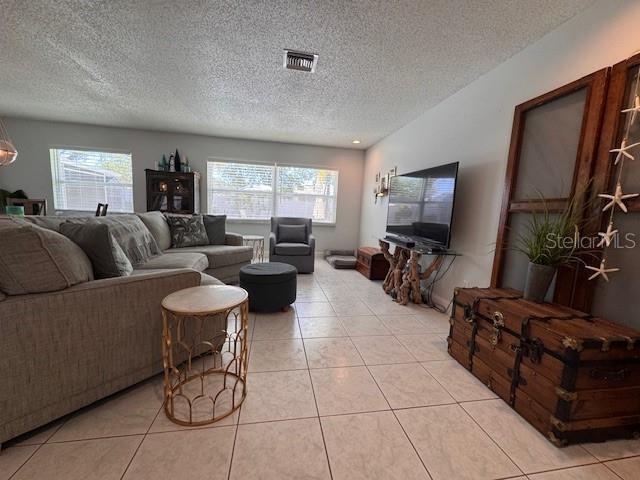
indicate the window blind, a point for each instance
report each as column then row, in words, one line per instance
column 258, row 191
column 307, row 192
column 83, row 178
column 240, row 190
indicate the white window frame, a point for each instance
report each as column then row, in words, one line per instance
column 274, row 186
column 54, row 173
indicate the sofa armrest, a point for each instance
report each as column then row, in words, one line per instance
column 272, row 244
column 82, row 343
column 312, row 244
column 234, row 239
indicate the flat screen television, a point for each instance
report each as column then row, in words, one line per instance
column 421, row 205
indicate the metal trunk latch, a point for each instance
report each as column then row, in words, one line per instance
column 498, row 324
column 536, row 349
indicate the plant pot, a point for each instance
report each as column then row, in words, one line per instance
column 539, row 278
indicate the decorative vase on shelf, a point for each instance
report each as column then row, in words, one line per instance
column 539, row 278
column 176, row 161
column 172, row 164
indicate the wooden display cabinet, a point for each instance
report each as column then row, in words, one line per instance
column 173, row 192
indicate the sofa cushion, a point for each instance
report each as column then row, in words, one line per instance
column 205, row 279
column 285, row 248
column 133, row 236
column 209, row 280
column 292, row 234
column 215, row 227
column 52, row 222
column 130, row 232
column 196, row 261
column 158, row 226
column 219, row 255
column 104, row 252
column 187, row 231
column 35, row 259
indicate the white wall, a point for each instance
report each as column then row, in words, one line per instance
column 474, row 125
column 32, row 172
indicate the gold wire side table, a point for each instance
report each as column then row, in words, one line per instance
column 257, row 242
column 204, row 347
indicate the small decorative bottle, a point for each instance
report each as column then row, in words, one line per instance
column 185, row 165
column 176, row 162
column 172, row 165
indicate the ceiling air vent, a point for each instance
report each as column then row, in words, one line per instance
column 305, row 62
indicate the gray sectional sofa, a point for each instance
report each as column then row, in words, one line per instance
column 222, row 262
column 68, row 340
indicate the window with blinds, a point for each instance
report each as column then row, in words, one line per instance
column 307, row 192
column 258, row 191
column 240, row 190
column 84, row 178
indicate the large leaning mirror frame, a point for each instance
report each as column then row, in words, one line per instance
column 560, row 152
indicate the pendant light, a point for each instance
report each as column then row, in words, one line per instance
column 8, row 152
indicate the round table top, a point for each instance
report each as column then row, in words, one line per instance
column 252, row 237
column 204, row 299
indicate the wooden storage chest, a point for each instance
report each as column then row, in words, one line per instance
column 371, row 263
column 574, row 377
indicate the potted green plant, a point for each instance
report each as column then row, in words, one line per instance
column 549, row 241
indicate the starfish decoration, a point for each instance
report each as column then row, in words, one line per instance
column 623, row 151
column 634, row 110
column 607, row 236
column 617, row 198
column 601, row 271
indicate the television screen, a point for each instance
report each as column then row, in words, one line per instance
column 421, row 204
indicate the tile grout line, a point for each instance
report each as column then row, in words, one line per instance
column 233, row 447
column 144, row 436
column 38, row 447
column 580, row 465
column 237, row 424
column 479, row 426
column 400, row 423
column 612, row 470
column 315, row 401
column 509, row 457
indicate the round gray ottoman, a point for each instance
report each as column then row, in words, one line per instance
column 271, row 286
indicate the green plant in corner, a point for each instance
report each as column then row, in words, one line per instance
column 549, row 240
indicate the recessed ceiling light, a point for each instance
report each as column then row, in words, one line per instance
column 356, row 141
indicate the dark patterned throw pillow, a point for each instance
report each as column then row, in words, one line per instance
column 187, row 231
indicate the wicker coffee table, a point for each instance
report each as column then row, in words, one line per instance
column 205, row 349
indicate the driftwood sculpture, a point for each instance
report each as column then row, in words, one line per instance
column 387, row 285
column 404, row 276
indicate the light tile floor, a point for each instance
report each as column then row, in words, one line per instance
column 346, row 385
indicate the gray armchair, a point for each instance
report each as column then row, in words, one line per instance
column 291, row 242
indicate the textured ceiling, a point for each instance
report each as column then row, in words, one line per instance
column 215, row 67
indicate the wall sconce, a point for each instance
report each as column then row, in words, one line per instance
column 381, row 188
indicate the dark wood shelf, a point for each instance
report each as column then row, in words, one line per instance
column 182, row 193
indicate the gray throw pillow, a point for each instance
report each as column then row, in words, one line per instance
column 35, row 259
column 292, row 233
column 187, row 231
column 215, row 227
column 96, row 240
column 132, row 235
